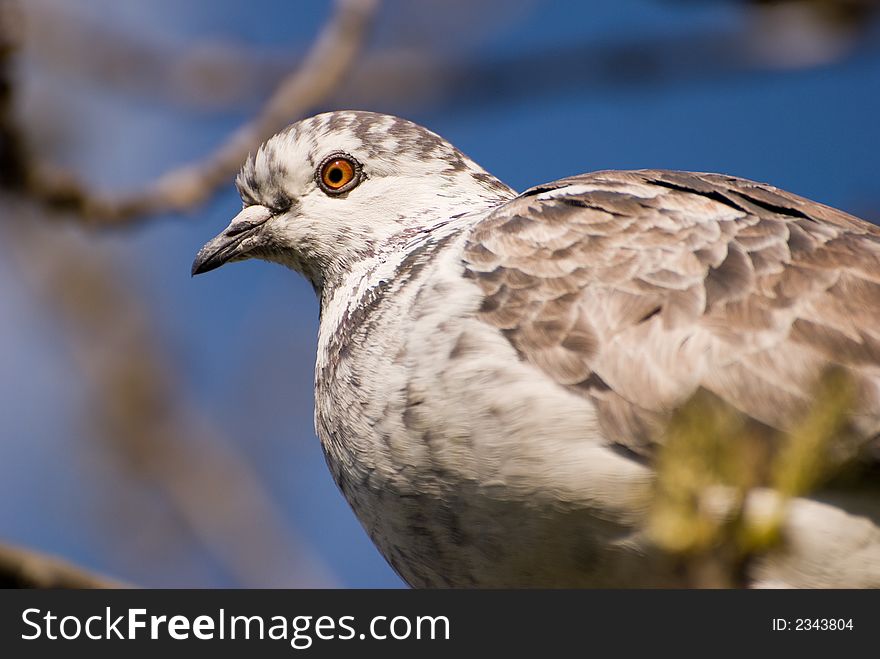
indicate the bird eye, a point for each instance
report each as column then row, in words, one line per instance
column 338, row 173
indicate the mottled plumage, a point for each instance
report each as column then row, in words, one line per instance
column 635, row 288
column 495, row 371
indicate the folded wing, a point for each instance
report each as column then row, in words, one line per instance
column 635, row 289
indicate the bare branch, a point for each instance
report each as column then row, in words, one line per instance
column 324, row 67
column 25, row 568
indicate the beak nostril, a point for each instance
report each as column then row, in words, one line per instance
column 237, row 229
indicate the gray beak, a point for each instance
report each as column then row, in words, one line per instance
column 237, row 240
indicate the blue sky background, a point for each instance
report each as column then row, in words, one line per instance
column 243, row 338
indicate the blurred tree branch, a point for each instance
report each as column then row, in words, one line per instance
column 321, row 71
column 12, row 155
column 713, row 460
column 408, row 73
column 203, row 74
column 26, row 568
column 138, row 408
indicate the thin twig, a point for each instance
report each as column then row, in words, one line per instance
column 330, row 58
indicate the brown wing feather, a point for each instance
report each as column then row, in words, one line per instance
column 637, row 288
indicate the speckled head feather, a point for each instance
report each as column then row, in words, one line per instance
column 410, row 180
column 384, row 144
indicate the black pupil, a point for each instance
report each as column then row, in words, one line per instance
column 335, row 175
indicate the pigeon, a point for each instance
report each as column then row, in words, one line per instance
column 494, row 370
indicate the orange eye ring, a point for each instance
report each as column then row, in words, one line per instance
column 338, row 173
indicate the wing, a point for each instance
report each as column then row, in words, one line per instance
column 636, row 289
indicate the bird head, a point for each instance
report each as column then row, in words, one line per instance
column 340, row 187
